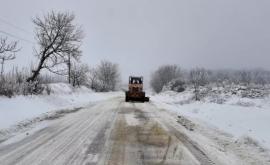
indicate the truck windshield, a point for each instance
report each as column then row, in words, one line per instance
column 136, row 81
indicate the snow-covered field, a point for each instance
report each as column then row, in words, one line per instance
column 240, row 117
column 63, row 96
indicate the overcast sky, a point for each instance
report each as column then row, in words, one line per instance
column 140, row 35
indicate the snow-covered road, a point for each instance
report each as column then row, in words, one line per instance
column 115, row 132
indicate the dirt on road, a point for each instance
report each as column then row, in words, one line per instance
column 139, row 138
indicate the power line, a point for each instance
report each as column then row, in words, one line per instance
column 14, row 36
column 15, row 26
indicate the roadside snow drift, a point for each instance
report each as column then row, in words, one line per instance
column 63, row 96
column 241, row 117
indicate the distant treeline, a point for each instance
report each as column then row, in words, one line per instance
column 178, row 78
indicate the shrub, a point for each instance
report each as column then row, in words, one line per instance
column 163, row 75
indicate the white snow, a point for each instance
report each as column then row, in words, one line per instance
column 21, row 135
column 19, row 108
column 241, row 117
column 131, row 119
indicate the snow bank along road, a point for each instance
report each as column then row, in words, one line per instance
column 109, row 132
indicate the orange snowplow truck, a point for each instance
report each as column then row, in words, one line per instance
column 135, row 90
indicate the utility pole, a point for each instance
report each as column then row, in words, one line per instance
column 2, row 67
column 69, row 69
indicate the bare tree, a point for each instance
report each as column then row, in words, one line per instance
column 93, row 79
column 164, row 75
column 108, row 76
column 59, row 40
column 198, row 77
column 78, row 74
column 259, row 76
column 7, row 52
column 245, row 76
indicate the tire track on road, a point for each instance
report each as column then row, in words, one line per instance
column 200, row 155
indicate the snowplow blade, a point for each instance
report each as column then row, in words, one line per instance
column 146, row 99
column 132, row 96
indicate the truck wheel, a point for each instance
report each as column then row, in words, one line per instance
column 127, row 99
